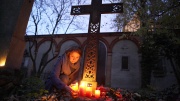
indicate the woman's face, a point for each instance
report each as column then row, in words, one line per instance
column 74, row 57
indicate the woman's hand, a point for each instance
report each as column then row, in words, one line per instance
column 68, row 89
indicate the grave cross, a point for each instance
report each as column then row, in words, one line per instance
column 95, row 10
column 91, row 54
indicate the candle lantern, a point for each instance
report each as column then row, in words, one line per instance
column 74, row 87
column 82, row 89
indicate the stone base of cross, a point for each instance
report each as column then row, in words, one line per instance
column 93, row 85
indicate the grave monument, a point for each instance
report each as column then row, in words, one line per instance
column 91, row 52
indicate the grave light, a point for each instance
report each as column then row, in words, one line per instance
column 82, row 89
column 97, row 93
column 2, row 61
column 75, row 87
column 89, row 90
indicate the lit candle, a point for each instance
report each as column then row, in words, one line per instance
column 75, row 87
column 97, row 93
column 82, row 90
column 88, row 91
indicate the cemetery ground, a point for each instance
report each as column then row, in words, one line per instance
column 14, row 86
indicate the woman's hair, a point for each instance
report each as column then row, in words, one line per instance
column 74, row 49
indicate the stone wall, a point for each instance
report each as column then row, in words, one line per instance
column 109, row 70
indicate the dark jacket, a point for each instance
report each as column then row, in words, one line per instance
column 62, row 70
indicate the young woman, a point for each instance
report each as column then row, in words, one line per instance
column 65, row 70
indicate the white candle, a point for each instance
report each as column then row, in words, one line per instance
column 97, row 93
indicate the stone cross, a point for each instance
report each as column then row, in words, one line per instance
column 91, row 53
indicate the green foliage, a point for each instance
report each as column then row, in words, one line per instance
column 9, row 80
column 145, row 94
column 159, row 32
column 14, row 86
column 152, row 94
column 149, row 59
column 31, row 87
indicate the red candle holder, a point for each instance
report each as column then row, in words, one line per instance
column 82, row 89
column 89, row 90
